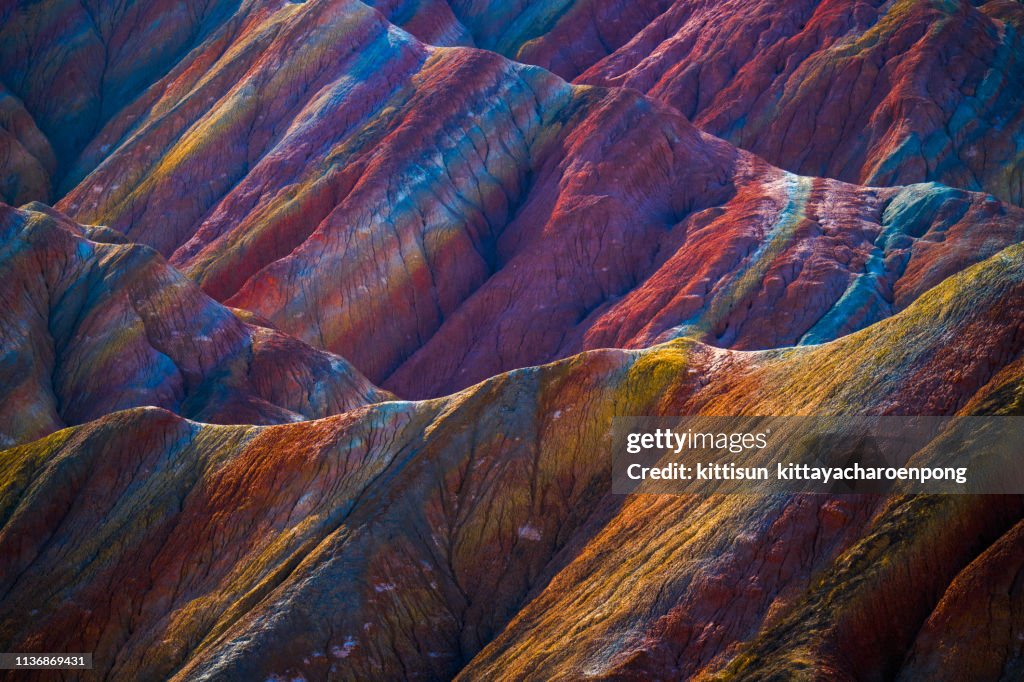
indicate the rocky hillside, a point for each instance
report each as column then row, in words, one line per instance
column 93, row 324
column 371, row 186
column 870, row 92
column 475, row 533
column 520, row 219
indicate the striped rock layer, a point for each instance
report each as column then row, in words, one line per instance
column 93, row 324
column 877, row 93
column 472, row 215
column 475, row 534
column 253, row 194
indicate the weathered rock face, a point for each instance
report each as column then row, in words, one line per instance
column 795, row 583
column 903, row 92
column 874, row 93
column 981, row 612
column 431, row 21
column 92, row 324
column 440, row 215
column 869, row 92
column 76, row 64
column 566, row 37
column 79, row 65
column 472, row 215
column 27, row 163
column 787, row 260
column 407, row 151
column 397, row 540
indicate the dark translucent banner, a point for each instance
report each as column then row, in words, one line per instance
column 834, row 455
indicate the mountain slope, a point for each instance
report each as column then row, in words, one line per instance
column 981, row 611
column 93, row 325
column 233, row 501
column 873, row 93
column 78, row 66
column 437, row 199
column 27, row 163
column 397, row 540
column 771, row 587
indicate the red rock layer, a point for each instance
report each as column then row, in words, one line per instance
column 93, row 325
column 780, row 588
column 472, row 215
column 475, row 532
column 880, row 94
column 868, row 92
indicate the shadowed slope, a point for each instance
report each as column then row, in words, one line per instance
column 76, row 64
column 564, row 36
column 93, row 325
column 398, row 539
column 981, row 612
column 79, row 65
column 27, row 163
